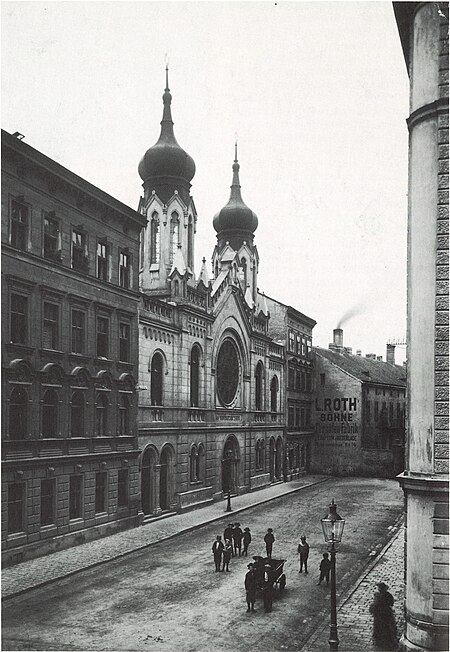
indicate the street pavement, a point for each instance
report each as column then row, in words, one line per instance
column 354, row 620
column 43, row 570
column 353, row 617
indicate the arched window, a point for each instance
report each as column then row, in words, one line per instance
column 174, row 234
column 156, row 380
column 274, row 394
column 77, row 414
column 124, row 416
column 259, row 386
column 190, row 243
column 260, row 454
column 101, row 415
column 18, row 413
column 194, row 465
column 154, row 239
column 50, row 414
column 195, row 376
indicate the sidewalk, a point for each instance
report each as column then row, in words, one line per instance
column 353, row 617
column 43, row 570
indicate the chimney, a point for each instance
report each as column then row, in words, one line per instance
column 348, row 349
column 359, row 352
column 379, row 358
column 371, row 356
column 338, row 340
column 390, row 353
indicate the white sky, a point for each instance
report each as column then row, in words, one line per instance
column 317, row 93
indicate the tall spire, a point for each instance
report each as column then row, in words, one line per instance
column 167, row 132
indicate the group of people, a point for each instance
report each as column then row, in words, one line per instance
column 260, row 575
column 235, row 543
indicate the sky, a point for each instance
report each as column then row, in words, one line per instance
column 316, row 94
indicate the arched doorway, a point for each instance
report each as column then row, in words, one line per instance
column 278, row 458
column 165, row 478
column 148, row 481
column 230, row 465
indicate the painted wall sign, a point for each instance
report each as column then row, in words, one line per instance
column 336, row 419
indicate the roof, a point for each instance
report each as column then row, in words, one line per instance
column 55, row 168
column 293, row 312
column 365, row 369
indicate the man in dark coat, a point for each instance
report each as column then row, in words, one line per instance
column 325, row 567
column 217, row 549
column 246, row 540
column 228, row 533
column 226, row 555
column 250, row 588
column 268, row 588
column 384, row 625
column 303, row 552
column 237, row 538
column 268, row 540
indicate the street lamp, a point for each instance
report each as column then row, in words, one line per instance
column 333, row 527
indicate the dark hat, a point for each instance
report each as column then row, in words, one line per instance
column 249, row 565
column 382, row 586
column 246, row 528
column 269, row 529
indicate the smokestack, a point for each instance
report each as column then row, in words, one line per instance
column 338, row 337
column 390, row 353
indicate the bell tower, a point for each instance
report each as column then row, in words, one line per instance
column 168, row 239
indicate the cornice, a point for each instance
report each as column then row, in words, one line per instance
column 427, row 112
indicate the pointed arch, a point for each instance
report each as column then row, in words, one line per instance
column 259, row 382
column 174, row 234
column 154, row 239
column 156, row 379
column 195, row 376
column 274, row 385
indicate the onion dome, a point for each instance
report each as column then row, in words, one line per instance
column 166, row 158
column 236, row 222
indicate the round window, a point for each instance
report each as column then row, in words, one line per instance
column 227, row 372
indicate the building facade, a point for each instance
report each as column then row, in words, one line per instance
column 423, row 29
column 69, row 357
column 212, row 407
column 294, row 330
column 359, row 413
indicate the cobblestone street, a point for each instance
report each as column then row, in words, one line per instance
column 159, row 599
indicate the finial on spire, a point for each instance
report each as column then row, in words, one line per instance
column 166, row 58
column 235, row 146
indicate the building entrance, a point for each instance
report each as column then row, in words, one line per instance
column 230, row 465
column 147, row 481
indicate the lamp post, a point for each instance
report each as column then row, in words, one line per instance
column 333, row 527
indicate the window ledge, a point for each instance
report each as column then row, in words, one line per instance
column 48, row 528
column 15, row 536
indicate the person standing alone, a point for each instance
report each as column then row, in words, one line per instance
column 268, row 540
column 250, row 588
column 217, row 549
column 303, row 552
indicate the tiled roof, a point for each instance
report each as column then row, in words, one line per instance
column 366, row 369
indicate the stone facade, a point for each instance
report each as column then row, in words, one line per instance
column 423, row 29
column 69, row 357
column 358, row 415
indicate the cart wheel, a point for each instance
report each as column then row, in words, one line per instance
column 282, row 582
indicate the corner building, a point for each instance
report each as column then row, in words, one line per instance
column 211, row 377
column 69, row 357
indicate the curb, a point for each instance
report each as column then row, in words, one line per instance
column 398, row 524
column 191, row 528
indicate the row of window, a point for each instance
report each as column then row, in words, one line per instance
column 20, row 322
column 299, row 379
column 299, row 343
column 19, row 237
column 385, row 416
column 81, row 414
column 48, row 499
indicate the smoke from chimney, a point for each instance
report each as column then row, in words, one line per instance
column 352, row 312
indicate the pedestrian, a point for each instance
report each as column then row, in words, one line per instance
column 228, row 532
column 303, row 552
column 237, row 538
column 226, row 555
column 217, row 549
column 250, row 588
column 268, row 540
column 246, row 540
column 268, row 588
column 384, row 625
column 325, row 567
